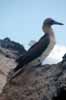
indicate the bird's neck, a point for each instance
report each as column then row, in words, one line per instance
column 48, row 30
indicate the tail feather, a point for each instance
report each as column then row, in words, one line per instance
column 20, row 58
column 17, row 73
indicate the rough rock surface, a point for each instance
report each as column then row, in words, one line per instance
column 43, row 82
column 12, row 48
column 37, row 83
column 9, row 51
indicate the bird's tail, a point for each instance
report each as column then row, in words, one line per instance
column 17, row 73
column 20, row 58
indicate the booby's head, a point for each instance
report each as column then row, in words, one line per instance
column 49, row 22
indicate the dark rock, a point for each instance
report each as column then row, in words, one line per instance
column 11, row 49
column 11, row 45
column 61, row 94
column 64, row 57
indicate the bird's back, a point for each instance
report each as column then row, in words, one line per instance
column 35, row 51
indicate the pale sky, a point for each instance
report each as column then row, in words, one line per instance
column 21, row 20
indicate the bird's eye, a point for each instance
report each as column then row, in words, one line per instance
column 51, row 22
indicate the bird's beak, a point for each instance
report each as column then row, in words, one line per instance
column 58, row 23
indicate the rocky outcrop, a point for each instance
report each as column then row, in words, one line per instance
column 42, row 82
column 9, row 52
column 45, row 82
column 14, row 47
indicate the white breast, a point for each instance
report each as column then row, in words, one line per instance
column 44, row 54
column 48, row 50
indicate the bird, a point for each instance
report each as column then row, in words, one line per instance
column 41, row 49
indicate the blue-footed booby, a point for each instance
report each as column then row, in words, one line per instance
column 41, row 49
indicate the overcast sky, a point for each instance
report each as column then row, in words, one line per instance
column 21, row 20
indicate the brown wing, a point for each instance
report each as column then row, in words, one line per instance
column 35, row 51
